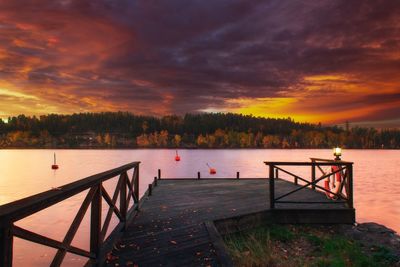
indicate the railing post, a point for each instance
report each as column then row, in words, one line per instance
column 350, row 172
column 271, row 187
column 155, row 181
column 122, row 198
column 237, row 175
column 313, row 175
column 276, row 173
column 149, row 192
column 159, row 173
column 136, row 185
column 198, row 175
column 95, row 225
column 6, row 246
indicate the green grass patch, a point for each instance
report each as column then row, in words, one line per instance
column 277, row 245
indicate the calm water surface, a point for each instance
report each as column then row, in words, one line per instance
column 27, row 172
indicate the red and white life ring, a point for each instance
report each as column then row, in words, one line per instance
column 336, row 185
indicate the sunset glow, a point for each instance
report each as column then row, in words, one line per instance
column 274, row 59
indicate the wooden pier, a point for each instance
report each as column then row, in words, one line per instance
column 179, row 222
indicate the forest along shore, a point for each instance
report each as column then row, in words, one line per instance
column 207, row 130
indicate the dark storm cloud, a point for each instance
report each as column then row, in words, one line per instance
column 196, row 55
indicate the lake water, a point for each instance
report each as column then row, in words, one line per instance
column 27, row 172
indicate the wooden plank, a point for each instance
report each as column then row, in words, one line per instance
column 123, row 205
column 6, row 246
column 313, row 176
column 306, row 163
column 219, row 245
column 136, row 182
column 350, row 177
column 271, row 187
column 95, row 223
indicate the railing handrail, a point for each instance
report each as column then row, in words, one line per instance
column 315, row 162
column 19, row 209
column 307, row 163
column 324, row 160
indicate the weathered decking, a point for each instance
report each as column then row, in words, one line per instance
column 173, row 229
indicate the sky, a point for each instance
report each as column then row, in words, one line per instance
column 314, row 61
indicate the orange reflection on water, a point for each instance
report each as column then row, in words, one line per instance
column 27, row 172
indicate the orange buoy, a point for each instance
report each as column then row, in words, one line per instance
column 54, row 166
column 212, row 170
column 177, row 157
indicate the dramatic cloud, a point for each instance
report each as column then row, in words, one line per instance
column 327, row 61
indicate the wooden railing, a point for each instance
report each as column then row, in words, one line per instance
column 126, row 188
column 344, row 194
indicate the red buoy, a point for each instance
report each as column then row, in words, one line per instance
column 212, row 170
column 54, row 166
column 177, row 157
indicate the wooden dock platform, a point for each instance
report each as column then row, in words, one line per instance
column 179, row 222
column 175, row 225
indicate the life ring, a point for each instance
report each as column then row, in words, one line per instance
column 336, row 185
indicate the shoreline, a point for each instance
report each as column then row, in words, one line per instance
column 365, row 244
column 185, row 148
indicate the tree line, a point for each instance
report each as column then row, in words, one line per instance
column 205, row 130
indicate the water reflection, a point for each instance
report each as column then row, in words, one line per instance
column 27, row 172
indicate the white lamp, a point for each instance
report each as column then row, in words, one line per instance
column 337, row 152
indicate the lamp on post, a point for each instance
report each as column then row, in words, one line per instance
column 337, row 152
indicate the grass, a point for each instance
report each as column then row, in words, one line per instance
column 277, row 245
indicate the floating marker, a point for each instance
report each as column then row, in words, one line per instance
column 212, row 170
column 177, row 157
column 54, row 166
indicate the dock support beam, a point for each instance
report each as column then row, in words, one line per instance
column 350, row 177
column 136, row 188
column 95, row 225
column 198, row 175
column 237, row 175
column 6, row 246
column 122, row 198
column 271, row 187
column 313, row 176
column 159, row 174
